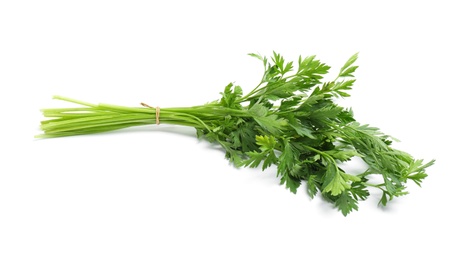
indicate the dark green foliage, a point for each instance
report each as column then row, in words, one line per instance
column 289, row 120
column 307, row 135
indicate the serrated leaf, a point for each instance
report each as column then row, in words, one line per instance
column 349, row 178
column 417, row 178
column 333, row 182
column 262, row 58
column 288, row 67
column 258, row 110
column 348, row 72
column 288, row 104
column 267, row 156
column 232, row 155
column 341, row 87
column 291, row 183
column 230, row 96
column 266, row 142
column 416, row 171
column 343, row 154
column 359, row 190
column 244, row 137
column 254, row 160
column 346, row 69
column 301, row 129
column 346, row 203
column 384, row 199
column 289, row 157
column 269, row 160
column 256, row 55
column 312, row 68
column 312, row 186
column 278, row 60
column 271, row 74
column 270, row 123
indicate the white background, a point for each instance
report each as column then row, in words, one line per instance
column 158, row 192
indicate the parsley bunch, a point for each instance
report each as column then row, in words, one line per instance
column 289, row 120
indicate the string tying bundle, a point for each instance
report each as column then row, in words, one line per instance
column 157, row 112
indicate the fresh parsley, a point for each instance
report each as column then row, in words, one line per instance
column 289, row 120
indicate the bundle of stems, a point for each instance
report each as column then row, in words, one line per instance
column 290, row 120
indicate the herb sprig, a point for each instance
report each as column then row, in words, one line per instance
column 289, row 120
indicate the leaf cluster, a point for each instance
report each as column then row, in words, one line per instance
column 291, row 121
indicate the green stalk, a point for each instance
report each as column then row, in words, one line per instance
column 99, row 118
